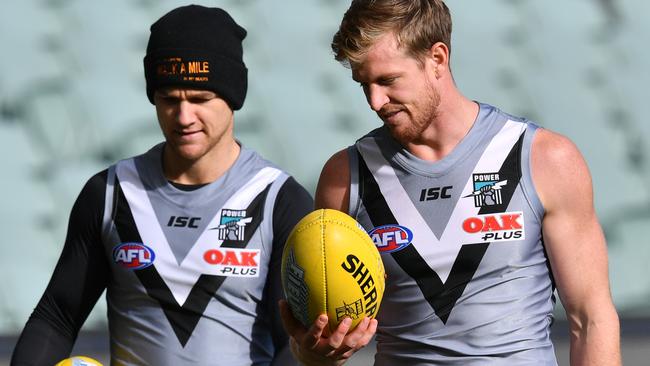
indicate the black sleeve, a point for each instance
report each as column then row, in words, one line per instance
column 79, row 278
column 292, row 203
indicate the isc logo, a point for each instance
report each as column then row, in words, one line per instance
column 133, row 255
column 432, row 194
column 183, row 221
column 390, row 238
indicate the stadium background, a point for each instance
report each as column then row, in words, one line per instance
column 72, row 101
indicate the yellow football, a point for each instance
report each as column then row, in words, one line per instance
column 330, row 265
column 79, row 361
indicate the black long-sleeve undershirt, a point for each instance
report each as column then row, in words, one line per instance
column 82, row 273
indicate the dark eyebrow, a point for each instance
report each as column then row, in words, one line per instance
column 163, row 92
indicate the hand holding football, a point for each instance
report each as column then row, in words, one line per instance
column 330, row 265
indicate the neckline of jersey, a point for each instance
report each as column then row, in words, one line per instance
column 441, row 167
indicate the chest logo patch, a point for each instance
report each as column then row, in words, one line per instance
column 391, row 238
column 487, row 189
column 233, row 262
column 232, row 224
column 496, row 227
column 133, row 255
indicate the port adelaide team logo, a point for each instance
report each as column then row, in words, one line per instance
column 487, row 189
column 232, row 224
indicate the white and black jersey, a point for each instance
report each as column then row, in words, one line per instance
column 192, row 275
column 468, row 281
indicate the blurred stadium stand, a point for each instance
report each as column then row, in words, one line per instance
column 72, row 102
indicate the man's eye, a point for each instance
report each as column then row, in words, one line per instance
column 387, row 81
column 168, row 99
column 200, row 98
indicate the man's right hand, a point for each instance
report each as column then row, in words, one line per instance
column 312, row 347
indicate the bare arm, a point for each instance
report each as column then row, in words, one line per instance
column 576, row 248
column 333, row 190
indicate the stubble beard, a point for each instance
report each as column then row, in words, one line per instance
column 420, row 120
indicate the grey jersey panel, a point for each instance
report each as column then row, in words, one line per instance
column 471, row 284
column 197, row 241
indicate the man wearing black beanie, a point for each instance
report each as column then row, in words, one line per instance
column 198, row 48
column 186, row 238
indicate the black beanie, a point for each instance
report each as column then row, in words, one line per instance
column 197, row 47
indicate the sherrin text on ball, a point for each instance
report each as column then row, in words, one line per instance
column 330, row 265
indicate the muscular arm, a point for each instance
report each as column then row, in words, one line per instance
column 292, row 203
column 576, row 248
column 78, row 280
column 333, row 190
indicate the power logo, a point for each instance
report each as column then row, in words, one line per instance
column 496, row 227
column 232, row 224
column 133, row 255
column 391, row 238
column 233, row 262
column 487, row 189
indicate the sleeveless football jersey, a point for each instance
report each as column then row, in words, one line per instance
column 468, row 281
column 189, row 268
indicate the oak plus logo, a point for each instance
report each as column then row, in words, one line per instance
column 487, row 189
column 232, row 262
column 505, row 226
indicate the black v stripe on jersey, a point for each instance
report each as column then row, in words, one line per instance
column 183, row 319
column 511, row 171
column 441, row 296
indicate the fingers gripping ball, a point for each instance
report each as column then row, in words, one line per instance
column 330, row 265
column 79, row 361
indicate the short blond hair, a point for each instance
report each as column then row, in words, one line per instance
column 417, row 24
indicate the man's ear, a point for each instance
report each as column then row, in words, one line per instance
column 439, row 54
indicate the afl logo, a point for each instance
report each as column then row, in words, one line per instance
column 391, row 238
column 133, row 255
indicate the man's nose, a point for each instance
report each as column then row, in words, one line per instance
column 186, row 115
column 377, row 97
